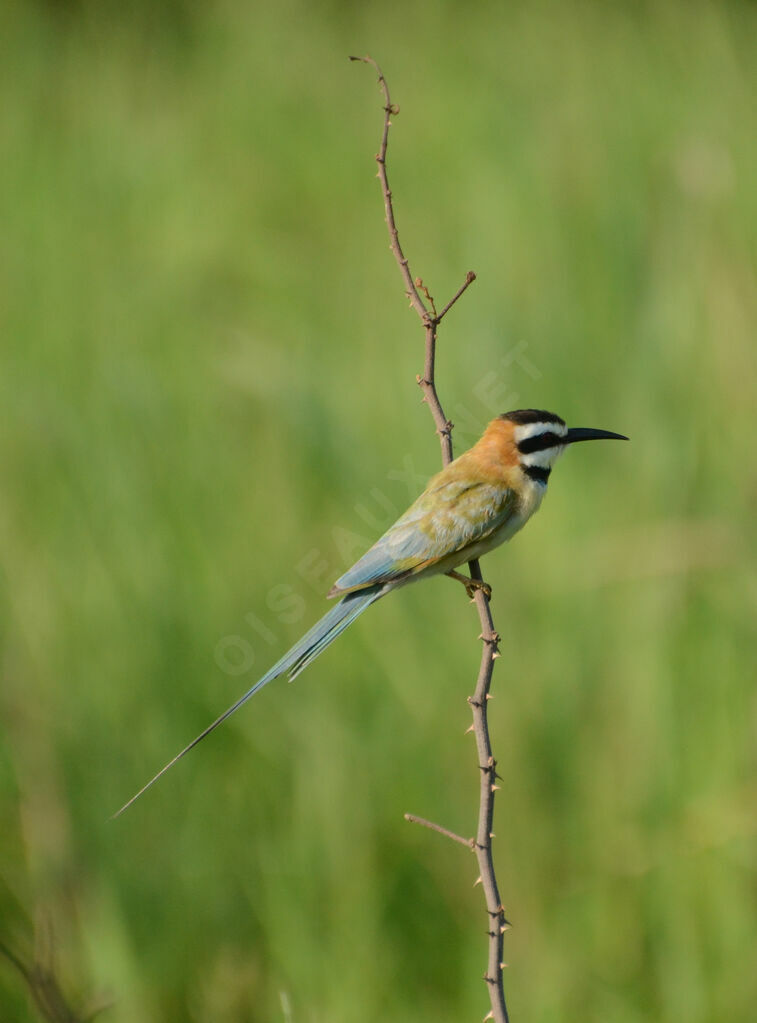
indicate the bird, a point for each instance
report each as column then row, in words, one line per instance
column 477, row 502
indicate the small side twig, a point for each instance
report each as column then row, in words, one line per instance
column 469, row 279
column 483, row 841
column 470, row 842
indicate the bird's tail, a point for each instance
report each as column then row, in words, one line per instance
column 292, row 663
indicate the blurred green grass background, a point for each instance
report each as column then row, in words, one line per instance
column 207, row 383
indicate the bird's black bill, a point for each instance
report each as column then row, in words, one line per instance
column 585, row 433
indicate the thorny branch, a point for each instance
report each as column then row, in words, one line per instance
column 480, row 699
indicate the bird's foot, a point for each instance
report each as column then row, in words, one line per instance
column 472, row 585
column 478, row 584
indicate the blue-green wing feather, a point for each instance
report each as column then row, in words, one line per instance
column 450, row 515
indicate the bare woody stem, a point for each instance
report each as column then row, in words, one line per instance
column 482, row 844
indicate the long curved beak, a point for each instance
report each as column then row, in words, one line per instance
column 585, row 433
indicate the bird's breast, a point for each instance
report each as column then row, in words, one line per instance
column 530, row 496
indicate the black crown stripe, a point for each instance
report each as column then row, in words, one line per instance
column 524, row 416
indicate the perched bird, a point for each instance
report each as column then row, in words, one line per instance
column 474, row 504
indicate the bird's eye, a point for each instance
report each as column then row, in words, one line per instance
column 539, row 442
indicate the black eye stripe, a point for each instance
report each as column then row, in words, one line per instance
column 540, row 442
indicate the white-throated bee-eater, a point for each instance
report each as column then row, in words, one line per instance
column 474, row 504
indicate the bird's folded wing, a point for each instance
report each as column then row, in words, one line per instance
column 448, row 517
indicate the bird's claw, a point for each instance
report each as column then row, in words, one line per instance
column 472, row 585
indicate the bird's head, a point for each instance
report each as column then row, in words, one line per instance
column 539, row 438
